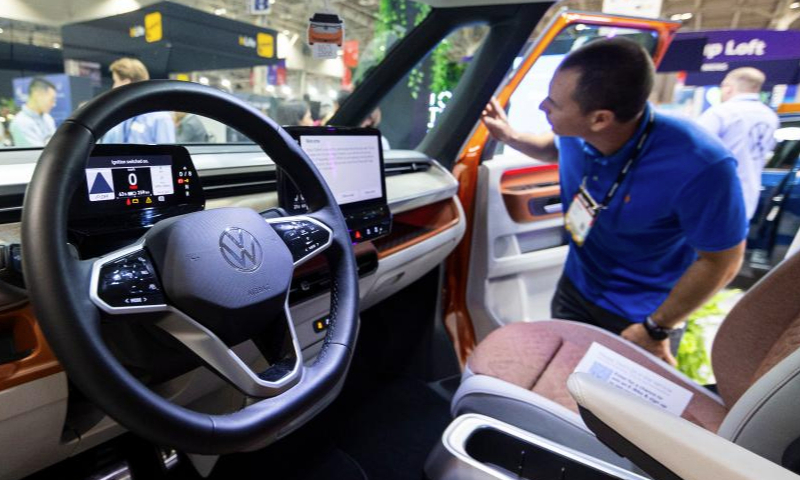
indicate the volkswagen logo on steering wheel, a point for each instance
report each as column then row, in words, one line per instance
column 240, row 249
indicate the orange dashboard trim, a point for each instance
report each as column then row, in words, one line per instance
column 429, row 220
column 40, row 363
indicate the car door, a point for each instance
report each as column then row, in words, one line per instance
column 777, row 217
column 507, row 268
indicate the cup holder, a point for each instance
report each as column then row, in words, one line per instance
column 475, row 447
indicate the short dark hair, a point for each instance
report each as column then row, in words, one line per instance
column 615, row 74
column 39, row 83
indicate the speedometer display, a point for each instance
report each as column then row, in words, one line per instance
column 135, row 180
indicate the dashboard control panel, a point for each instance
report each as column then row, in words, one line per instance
column 351, row 162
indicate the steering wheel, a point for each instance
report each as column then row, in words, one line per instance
column 216, row 278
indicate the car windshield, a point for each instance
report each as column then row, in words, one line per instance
column 294, row 61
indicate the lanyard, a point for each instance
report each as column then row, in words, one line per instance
column 626, row 168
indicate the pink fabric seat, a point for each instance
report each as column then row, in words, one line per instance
column 518, row 373
column 539, row 356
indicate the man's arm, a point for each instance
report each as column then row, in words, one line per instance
column 541, row 147
column 709, row 273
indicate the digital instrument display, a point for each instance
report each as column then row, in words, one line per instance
column 137, row 185
column 133, row 179
column 351, row 162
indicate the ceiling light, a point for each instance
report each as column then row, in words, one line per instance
column 271, row 88
column 203, row 80
column 681, row 16
column 312, row 90
column 792, row 6
column 225, row 83
column 272, row 2
column 220, row 11
column 332, row 93
column 286, row 90
column 1, row 30
column 56, row 45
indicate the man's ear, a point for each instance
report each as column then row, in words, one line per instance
column 599, row 120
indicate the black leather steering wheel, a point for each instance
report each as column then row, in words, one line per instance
column 222, row 274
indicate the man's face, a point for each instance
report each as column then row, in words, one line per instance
column 562, row 111
column 44, row 100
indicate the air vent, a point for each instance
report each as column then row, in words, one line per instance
column 406, row 167
column 228, row 185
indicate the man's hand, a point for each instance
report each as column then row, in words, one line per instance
column 496, row 121
column 637, row 334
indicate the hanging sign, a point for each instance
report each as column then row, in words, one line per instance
column 325, row 35
column 259, row 7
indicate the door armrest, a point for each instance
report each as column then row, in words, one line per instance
column 663, row 445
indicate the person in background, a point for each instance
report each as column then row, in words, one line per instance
column 746, row 126
column 148, row 128
column 653, row 204
column 341, row 96
column 294, row 112
column 33, row 126
column 189, row 128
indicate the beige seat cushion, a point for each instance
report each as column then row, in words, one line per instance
column 539, row 356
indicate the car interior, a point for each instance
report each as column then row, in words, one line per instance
column 310, row 304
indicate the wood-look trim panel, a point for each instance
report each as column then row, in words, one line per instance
column 27, row 335
column 518, row 187
column 423, row 223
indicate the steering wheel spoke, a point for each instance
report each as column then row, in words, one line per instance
column 285, row 363
column 125, row 282
column 304, row 235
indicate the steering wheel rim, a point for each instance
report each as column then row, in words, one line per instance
column 58, row 283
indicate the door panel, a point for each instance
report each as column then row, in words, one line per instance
column 531, row 194
column 517, row 256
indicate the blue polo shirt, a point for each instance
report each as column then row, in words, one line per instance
column 682, row 195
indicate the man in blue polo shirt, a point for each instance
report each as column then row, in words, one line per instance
column 653, row 204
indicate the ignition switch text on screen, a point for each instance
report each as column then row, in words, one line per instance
column 129, row 177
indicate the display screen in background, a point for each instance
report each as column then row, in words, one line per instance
column 141, row 180
column 350, row 164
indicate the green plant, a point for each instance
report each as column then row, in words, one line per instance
column 693, row 358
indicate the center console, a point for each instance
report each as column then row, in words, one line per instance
column 476, row 447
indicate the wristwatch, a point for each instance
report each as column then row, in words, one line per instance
column 656, row 331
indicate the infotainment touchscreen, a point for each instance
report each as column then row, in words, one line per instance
column 351, row 162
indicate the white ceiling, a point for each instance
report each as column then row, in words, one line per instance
column 37, row 21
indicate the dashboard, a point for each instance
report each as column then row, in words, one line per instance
column 416, row 194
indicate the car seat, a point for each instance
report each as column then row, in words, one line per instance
column 518, row 374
